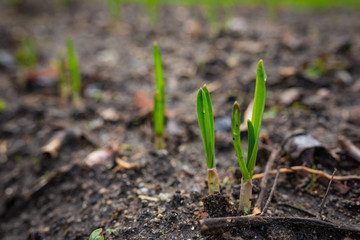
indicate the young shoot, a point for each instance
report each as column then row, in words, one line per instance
column 247, row 167
column 115, row 9
column 2, row 105
column 26, row 54
column 95, row 235
column 206, row 123
column 159, row 101
column 74, row 72
column 64, row 84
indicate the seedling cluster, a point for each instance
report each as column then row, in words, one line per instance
column 206, row 123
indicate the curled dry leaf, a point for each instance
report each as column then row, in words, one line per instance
column 53, row 145
column 99, row 156
column 143, row 103
column 63, row 137
column 122, row 165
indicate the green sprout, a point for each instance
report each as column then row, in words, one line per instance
column 313, row 180
column 74, row 72
column 206, row 123
column 27, row 53
column 153, row 8
column 64, row 83
column 2, row 105
column 247, row 168
column 159, row 101
column 95, row 235
column 115, row 8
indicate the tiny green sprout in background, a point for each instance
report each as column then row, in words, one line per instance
column 2, row 105
column 64, row 83
column 313, row 180
column 247, row 167
column 159, row 101
column 115, row 9
column 153, row 9
column 206, row 123
column 74, row 72
column 110, row 230
column 26, row 54
column 95, row 235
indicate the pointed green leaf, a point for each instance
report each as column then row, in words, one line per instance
column 95, row 235
column 206, row 123
column 237, row 141
column 158, row 115
column 258, row 109
column 159, row 98
column 259, row 98
column 74, row 70
column 251, row 143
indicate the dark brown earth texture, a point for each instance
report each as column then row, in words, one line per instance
column 312, row 59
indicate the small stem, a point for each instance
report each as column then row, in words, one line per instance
column 245, row 196
column 159, row 142
column 213, row 181
column 76, row 98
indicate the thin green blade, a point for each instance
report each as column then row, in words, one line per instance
column 158, row 115
column 258, row 109
column 74, row 72
column 73, row 67
column 259, row 98
column 237, row 141
column 206, row 124
column 159, row 98
column 251, row 143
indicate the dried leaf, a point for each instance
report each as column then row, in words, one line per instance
column 99, row 156
column 146, row 105
column 122, row 165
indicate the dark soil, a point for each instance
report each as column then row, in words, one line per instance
column 163, row 195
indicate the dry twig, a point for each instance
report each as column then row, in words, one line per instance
column 264, row 181
column 326, row 194
column 349, row 148
column 295, row 169
column 272, row 192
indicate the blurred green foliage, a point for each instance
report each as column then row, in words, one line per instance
column 26, row 53
column 2, row 105
column 299, row 4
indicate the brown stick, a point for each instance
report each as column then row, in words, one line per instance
column 272, row 192
column 326, row 194
column 296, row 208
column 264, row 181
column 349, row 148
column 220, row 225
column 309, row 170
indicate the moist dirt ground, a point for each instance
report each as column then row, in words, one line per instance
column 101, row 169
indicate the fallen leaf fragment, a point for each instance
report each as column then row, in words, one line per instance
column 146, row 105
column 122, row 165
column 143, row 103
column 153, row 199
column 110, row 114
column 99, row 156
